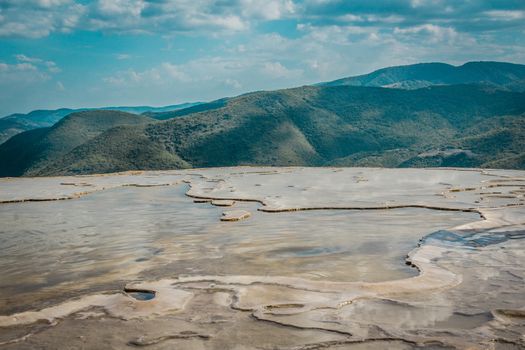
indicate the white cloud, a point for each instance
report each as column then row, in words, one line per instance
column 24, row 79
column 277, row 70
column 23, row 67
column 164, row 17
column 267, row 9
column 38, row 18
column 351, row 18
column 175, row 72
column 21, row 73
column 208, row 77
column 50, row 3
column 24, row 74
column 435, row 32
column 341, row 35
column 230, row 22
column 120, row 7
column 416, row 3
column 390, row 19
column 24, row 58
column 161, row 75
column 50, row 66
column 236, row 85
column 505, row 15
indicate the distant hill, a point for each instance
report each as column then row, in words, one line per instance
column 501, row 75
column 506, row 76
column 457, row 125
column 16, row 123
column 29, row 151
column 201, row 107
column 148, row 110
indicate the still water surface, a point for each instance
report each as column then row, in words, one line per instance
column 102, row 240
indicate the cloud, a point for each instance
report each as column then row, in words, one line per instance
column 434, row 32
column 155, row 76
column 233, row 83
column 267, row 9
column 24, row 73
column 24, row 58
column 183, row 16
column 111, row 8
column 175, row 72
column 21, row 73
column 50, row 66
column 25, row 79
column 464, row 16
column 38, row 18
column 206, row 49
column 277, row 70
column 505, row 15
column 206, row 78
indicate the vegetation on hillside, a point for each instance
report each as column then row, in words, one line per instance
column 459, row 125
column 503, row 75
column 14, row 124
column 27, row 153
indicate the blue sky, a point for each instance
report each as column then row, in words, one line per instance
column 79, row 53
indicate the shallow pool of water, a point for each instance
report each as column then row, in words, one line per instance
column 106, row 238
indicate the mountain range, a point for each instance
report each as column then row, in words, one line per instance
column 472, row 119
column 506, row 76
column 16, row 123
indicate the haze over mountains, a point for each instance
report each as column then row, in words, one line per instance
column 431, row 115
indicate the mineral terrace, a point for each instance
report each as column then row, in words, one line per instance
column 264, row 258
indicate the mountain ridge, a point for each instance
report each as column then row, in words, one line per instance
column 13, row 124
column 339, row 123
column 32, row 149
column 314, row 126
column 510, row 76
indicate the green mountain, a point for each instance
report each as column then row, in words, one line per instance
column 457, row 125
column 29, row 151
column 507, row 76
column 16, row 123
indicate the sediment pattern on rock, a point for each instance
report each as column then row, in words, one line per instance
column 467, row 292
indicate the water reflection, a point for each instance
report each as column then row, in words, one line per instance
column 52, row 248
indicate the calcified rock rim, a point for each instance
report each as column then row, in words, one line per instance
column 96, row 183
column 254, row 293
column 235, row 215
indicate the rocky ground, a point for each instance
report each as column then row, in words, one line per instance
column 308, row 258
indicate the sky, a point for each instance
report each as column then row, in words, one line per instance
column 79, row 53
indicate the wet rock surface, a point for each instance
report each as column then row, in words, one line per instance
column 235, row 215
column 322, row 263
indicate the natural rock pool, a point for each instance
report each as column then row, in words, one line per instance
column 136, row 253
column 60, row 247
